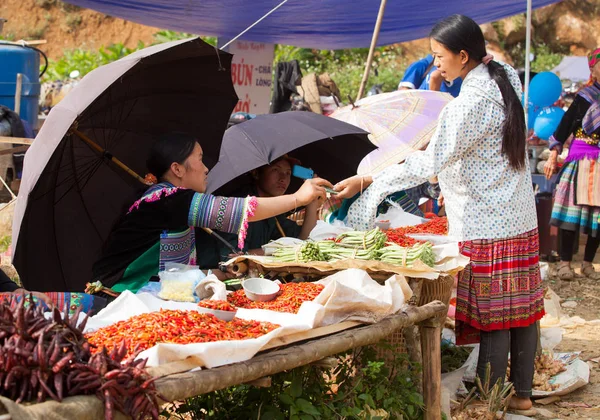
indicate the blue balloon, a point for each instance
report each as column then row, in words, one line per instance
column 547, row 121
column 545, row 89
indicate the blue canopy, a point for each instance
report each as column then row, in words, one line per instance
column 323, row 24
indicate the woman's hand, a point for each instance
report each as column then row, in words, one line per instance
column 349, row 187
column 311, row 190
column 440, row 200
column 551, row 165
column 435, row 80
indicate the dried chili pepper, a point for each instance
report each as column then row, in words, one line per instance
column 42, row 357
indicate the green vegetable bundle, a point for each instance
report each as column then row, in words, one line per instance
column 368, row 241
column 370, row 245
column 308, row 251
column 406, row 257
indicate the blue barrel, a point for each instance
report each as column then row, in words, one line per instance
column 16, row 59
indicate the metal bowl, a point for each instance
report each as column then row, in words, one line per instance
column 260, row 290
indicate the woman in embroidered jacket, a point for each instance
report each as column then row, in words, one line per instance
column 159, row 227
column 478, row 153
column 577, row 201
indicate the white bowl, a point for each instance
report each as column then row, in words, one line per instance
column 222, row 315
column 260, row 290
column 383, row 225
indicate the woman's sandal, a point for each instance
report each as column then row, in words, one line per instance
column 589, row 272
column 565, row 272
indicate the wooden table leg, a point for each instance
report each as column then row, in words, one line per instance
column 432, row 368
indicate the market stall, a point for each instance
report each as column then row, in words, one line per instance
column 188, row 335
column 178, row 386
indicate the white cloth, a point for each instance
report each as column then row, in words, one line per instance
column 485, row 198
column 211, row 287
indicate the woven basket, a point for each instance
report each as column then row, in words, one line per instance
column 406, row 340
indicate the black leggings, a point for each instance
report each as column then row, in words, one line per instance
column 494, row 349
column 567, row 243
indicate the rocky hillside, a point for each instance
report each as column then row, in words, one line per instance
column 568, row 27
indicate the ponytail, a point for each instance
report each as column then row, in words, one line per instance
column 513, row 131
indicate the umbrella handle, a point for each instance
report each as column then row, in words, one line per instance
column 351, row 101
column 220, row 238
column 109, row 156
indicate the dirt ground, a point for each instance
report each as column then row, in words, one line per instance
column 585, row 402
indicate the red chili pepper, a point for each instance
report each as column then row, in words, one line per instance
column 289, row 300
column 219, row 305
column 175, row 326
column 437, row 226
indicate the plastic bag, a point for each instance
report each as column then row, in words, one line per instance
column 324, row 230
column 400, row 218
column 272, row 246
column 212, row 288
column 178, row 282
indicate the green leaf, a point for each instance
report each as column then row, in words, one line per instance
column 296, row 387
column 307, row 407
column 306, row 417
column 286, row 399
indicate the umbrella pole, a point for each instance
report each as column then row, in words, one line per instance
column 527, row 65
column 220, row 238
column 109, row 156
column 131, row 172
column 365, row 78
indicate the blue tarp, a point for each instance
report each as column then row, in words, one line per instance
column 323, row 24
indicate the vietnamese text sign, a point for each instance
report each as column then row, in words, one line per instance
column 251, row 72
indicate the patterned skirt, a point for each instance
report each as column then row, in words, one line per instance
column 501, row 288
column 568, row 215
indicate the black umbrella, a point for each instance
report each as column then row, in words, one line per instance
column 77, row 178
column 332, row 148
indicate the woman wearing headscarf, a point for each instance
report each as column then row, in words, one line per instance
column 577, row 200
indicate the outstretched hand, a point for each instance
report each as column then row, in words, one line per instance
column 312, row 189
column 349, row 187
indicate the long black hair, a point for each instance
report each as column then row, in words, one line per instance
column 169, row 148
column 461, row 33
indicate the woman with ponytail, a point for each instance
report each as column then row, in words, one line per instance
column 478, row 153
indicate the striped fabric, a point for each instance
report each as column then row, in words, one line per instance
column 587, row 188
column 591, row 119
column 177, row 247
column 218, row 213
column 565, row 213
column 501, row 288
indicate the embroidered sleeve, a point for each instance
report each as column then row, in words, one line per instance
column 227, row 214
column 461, row 124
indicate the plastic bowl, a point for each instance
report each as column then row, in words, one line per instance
column 383, row 225
column 260, row 290
column 222, row 315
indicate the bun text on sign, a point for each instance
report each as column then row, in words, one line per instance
column 251, row 73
